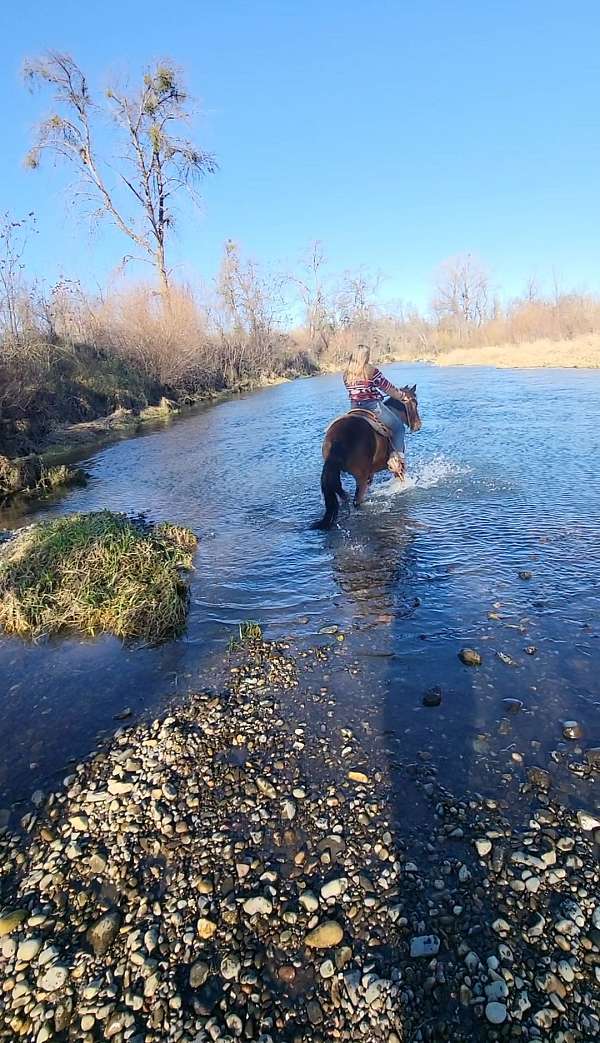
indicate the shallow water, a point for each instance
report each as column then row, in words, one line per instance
column 502, row 478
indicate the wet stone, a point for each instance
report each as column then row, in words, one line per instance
column 572, row 730
column 433, row 697
column 470, row 657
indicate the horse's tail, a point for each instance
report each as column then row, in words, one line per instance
column 331, row 485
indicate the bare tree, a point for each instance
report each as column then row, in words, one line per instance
column 13, row 239
column 137, row 189
column 318, row 307
column 356, row 299
column 462, row 291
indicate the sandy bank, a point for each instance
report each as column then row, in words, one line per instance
column 579, row 353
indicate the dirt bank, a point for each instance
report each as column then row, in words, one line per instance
column 232, row 871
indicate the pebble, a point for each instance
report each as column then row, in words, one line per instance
column 10, row 920
column 483, row 847
column 588, row 822
column 102, row 934
column 54, row 978
column 309, row 901
column 258, row 906
column 495, row 1013
column 433, row 697
column 206, row 928
column 572, row 730
column 333, row 888
column 326, row 934
column 470, row 657
column 424, row 945
column 28, row 949
column 81, row 823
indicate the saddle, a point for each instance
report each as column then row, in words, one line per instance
column 376, row 424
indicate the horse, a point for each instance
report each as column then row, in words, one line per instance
column 352, row 445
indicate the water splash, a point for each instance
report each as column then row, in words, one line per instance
column 437, row 470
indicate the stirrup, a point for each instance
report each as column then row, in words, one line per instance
column 396, row 465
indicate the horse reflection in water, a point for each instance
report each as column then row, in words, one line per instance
column 357, row 444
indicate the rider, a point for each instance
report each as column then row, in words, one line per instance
column 366, row 386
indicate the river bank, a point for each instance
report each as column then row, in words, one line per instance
column 234, row 870
column 578, row 353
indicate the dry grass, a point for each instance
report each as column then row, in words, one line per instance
column 581, row 352
column 94, row 573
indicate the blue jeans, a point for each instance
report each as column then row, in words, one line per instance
column 390, row 417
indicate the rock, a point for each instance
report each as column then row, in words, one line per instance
column 230, row 967
column 206, row 928
column 470, row 657
column 358, row 776
column 327, row 969
column 81, row 823
column 525, row 574
column 326, row 934
column 531, row 650
column 572, row 730
column 28, row 949
column 198, row 973
column 495, row 1013
column 334, row 888
column 483, row 847
column 587, row 822
column 539, row 777
column 289, row 810
column 433, row 697
column 314, row 1011
column 11, row 920
column 123, row 715
column 54, row 978
column 424, row 945
column 309, row 901
column 592, row 756
column 506, row 659
column 512, row 706
column 102, row 934
column 118, row 788
column 497, row 990
column 258, row 906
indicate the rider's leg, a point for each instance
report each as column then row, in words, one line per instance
column 394, row 423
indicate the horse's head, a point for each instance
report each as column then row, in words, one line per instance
column 409, row 406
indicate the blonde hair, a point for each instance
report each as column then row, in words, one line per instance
column 358, row 362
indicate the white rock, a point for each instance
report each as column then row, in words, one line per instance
column 483, row 847
column 54, row 978
column 309, row 901
column 334, row 888
column 29, row 949
column 258, row 906
column 587, row 822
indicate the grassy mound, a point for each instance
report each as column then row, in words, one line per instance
column 96, row 572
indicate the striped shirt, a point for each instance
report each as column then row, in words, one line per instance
column 368, row 389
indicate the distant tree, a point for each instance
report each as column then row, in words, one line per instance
column 462, row 291
column 318, row 306
column 136, row 186
column 13, row 239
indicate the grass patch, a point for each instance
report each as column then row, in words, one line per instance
column 248, row 632
column 94, row 573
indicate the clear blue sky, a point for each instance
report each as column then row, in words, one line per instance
column 398, row 133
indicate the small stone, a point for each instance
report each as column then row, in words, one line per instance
column 102, row 934
column 470, row 657
column 199, row 972
column 358, row 776
column 327, row 969
column 54, row 978
column 123, row 715
column 309, row 901
column 289, row 810
column 81, row 823
column 525, row 574
column 314, row 1011
column 424, row 945
column 11, row 920
column 258, row 906
column 334, row 888
column 572, row 730
column 540, row 777
column 483, row 847
column 512, row 706
column 495, row 1013
column 28, row 949
column 531, row 650
column 587, row 822
column 497, row 990
column 326, row 934
column 433, row 697
column 286, row 973
column 230, row 967
column 118, row 788
column 206, row 928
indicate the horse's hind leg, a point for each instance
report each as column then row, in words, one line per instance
column 363, row 484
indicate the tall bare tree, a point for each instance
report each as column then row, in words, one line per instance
column 137, row 185
column 462, row 291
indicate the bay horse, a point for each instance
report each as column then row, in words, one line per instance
column 352, row 445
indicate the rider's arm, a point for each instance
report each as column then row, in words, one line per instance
column 386, row 385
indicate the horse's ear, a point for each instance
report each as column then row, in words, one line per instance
column 413, row 388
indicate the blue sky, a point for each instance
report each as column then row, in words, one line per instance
column 398, row 133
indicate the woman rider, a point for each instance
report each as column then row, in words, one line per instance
column 366, row 386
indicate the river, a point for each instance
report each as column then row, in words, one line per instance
column 503, row 478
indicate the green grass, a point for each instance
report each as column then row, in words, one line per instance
column 94, row 573
column 248, row 631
